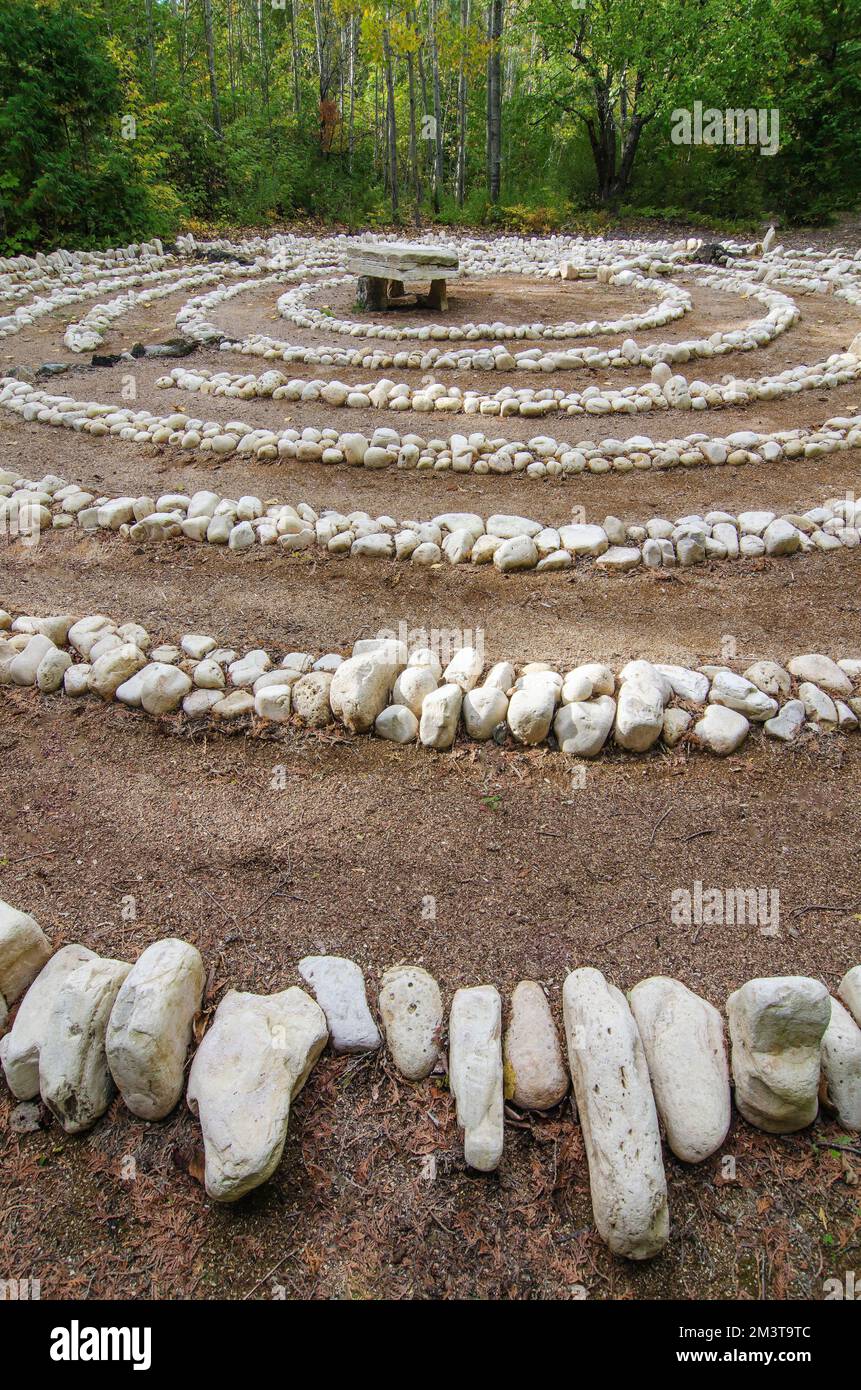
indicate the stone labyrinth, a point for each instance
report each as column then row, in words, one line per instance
column 613, row 382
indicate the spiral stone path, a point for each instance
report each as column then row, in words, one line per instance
column 307, row 679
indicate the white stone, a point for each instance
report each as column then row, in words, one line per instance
column 24, row 949
column 475, row 1073
column 19, row 1049
column 769, row 677
column 246, row 670
column 686, row 684
column 583, row 539
column 339, row 987
column 411, row 1010
column 273, row 702
column 250, row 1066
column 530, row 712
column 535, row 1075
column 787, row 724
column 411, row 687
column 163, row 688
column 822, row 671
column 440, row 715
column 464, row 668
column 74, row 1078
column 776, row 1027
column 150, row 1026
column 617, row 1114
column 484, row 708
column 683, row 1039
column 518, row 553
column 24, row 667
column 722, row 730
column 397, row 723
column 818, row 706
column 110, row 671
column 583, row 726
column 639, row 716
column 849, row 991
column 841, row 1065
column 737, row 693
column 360, row 689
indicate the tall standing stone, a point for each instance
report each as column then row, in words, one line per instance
column 617, row 1115
column 682, row 1036
column 475, row 1073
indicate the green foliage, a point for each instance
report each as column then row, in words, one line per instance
column 112, row 127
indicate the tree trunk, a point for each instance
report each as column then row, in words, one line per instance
column 460, row 177
column 351, row 135
column 494, row 98
column 437, row 110
column 414, row 153
column 210, row 62
column 150, row 42
column 294, row 42
column 391, row 125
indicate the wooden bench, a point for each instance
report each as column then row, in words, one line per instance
column 385, row 268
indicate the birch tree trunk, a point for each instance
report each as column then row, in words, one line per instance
column 437, row 109
column 462, row 112
column 392, row 143
column 210, row 62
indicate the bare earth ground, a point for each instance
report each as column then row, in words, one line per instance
column 533, row 870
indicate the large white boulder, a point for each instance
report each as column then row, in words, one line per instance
column 411, row 1009
column 583, row 727
column 618, row 1116
column 74, row 1077
column 682, row 1036
column 484, row 708
column 253, row 1061
column 440, row 715
column 530, row 711
column 737, row 693
column 24, row 949
column 722, row 730
column 114, row 668
column 535, row 1075
column 339, row 986
column 841, row 1065
column 360, row 686
column 821, row 671
column 475, row 1073
column 149, row 1030
column 19, row 1049
column 639, row 715
column 776, row 1026
column 163, row 687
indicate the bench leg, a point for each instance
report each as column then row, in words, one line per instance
column 371, row 292
column 437, row 299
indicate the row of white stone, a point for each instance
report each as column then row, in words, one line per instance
column 539, row 457
column 673, row 303
column 88, row 333
column 403, row 692
column 513, row 544
column 665, row 390
column 89, row 1026
column 193, row 322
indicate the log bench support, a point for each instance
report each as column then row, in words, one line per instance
column 376, row 292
